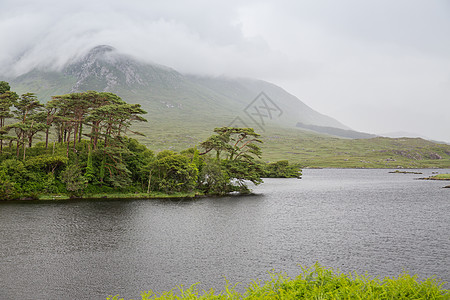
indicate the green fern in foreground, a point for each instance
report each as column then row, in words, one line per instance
column 316, row 283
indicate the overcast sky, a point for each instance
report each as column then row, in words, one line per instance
column 377, row 66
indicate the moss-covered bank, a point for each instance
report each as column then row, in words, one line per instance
column 437, row 177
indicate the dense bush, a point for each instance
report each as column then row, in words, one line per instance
column 173, row 172
column 282, row 169
column 213, row 179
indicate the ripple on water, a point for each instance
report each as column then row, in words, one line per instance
column 363, row 220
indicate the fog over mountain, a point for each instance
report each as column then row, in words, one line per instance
column 172, row 98
column 377, row 66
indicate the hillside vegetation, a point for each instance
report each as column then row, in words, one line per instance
column 311, row 149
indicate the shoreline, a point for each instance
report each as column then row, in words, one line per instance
column 193, row 195
column 438, row 179
column 126, row 196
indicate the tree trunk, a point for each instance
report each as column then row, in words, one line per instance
column 80, row 133
column 75, row 135
column 149, row 180
column 95, row 133
column 1, row 141
column 46, row 138
column 68, row 144
column 17, row 148
column 24, row 147
column 59, row 132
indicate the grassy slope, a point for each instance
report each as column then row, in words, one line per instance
column 308, row 148
column 312, row 150
column 44, row 85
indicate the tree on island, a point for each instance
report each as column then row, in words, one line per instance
column 101, row 159
column 236, row 152
column 27, row 111
column 7, row 100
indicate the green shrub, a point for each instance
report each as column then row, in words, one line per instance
column 74, row 180
column 213, row 180
column 173, row 173
column 282, row 169
column 8, row 190
column 316, row 283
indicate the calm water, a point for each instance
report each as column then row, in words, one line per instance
column 362, row 220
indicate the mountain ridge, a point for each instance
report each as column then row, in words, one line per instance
column 160, row 89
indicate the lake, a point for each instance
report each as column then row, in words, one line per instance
column 353, row 220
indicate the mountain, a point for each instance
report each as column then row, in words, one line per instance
column 345, row 133
column 400, row 134
column 184, row 109
column 405, row 134
column 168, row 94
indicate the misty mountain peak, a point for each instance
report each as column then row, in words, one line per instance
column 98, row 53
column 161, row 90
column 101, row 49
column 109, row 69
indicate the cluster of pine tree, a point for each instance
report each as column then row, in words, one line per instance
column 83, row 148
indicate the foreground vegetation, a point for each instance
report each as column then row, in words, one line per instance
column 317, row 282
column 108, row 162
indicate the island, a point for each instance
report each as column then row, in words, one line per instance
column 437, row 177
column 85, row 151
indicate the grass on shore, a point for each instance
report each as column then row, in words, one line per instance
column 437, row 177
column 316, row 282
column 441, row 177
column 151, row 195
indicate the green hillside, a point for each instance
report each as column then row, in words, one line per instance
column 315, row 150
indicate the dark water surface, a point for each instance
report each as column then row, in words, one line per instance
column 354, row 220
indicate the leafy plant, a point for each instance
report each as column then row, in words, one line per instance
column 315, row 283
column 74, row 180
column 282, row 169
